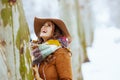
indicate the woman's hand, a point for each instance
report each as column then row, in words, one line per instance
column 34, row 45
column 36, row 73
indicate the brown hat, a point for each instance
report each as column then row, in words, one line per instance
column 38, row 22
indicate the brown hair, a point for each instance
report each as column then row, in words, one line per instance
column 56, row 34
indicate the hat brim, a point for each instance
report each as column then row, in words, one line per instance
column 38, row 23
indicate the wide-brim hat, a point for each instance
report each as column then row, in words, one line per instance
column 38, row 23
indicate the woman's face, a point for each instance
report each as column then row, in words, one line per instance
column 47, row 30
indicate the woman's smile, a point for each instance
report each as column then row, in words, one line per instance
column 44, row 31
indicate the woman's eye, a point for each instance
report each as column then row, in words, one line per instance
column 42, row 26
column 48, row 25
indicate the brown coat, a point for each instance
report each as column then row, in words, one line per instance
column 57, row 67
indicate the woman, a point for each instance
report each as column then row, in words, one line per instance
column 51, row 57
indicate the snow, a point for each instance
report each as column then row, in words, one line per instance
column 105, row 51
column 104, row 55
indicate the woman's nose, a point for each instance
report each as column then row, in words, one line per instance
column 44, row 27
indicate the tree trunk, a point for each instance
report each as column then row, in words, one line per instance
column 82, row 33
column 15, row 57
column 84, row 27
column 68, row 14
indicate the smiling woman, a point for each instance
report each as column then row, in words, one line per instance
column 51, row 56
column 46, row 31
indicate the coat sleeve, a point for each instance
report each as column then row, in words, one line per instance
column 63, row 65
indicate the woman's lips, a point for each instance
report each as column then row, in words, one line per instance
column 44, row 31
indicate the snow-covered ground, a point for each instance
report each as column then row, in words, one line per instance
column 104, row 55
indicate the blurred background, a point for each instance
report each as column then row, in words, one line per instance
column 95, row 29
column 93, row 25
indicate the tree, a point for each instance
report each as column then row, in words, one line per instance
column 70, row 12
column 15, row 57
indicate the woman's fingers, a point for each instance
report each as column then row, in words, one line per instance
column 35, row 52
column 35, row 68
column 33, row 45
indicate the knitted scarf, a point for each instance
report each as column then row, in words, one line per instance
column 47, row 48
